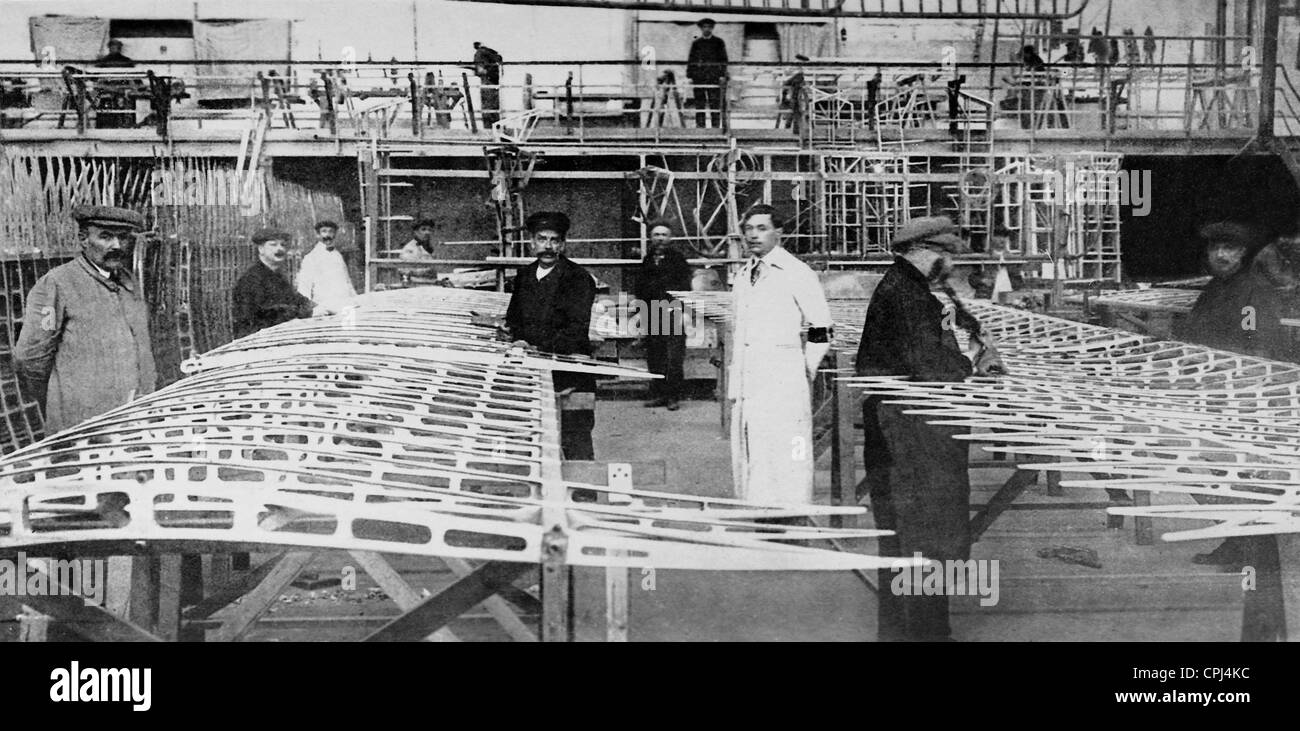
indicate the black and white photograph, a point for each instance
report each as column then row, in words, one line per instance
column 654, row 321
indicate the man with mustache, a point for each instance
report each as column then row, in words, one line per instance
column 263, row 297
column 419, row 248
column 84, row 346
column 663, row 271
column 550, row 309
column 323, row 275
column 773, row 364
column 916, row 473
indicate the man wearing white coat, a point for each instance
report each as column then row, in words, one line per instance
column 323, row 276
column 772, row 365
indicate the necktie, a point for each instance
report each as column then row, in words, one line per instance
column 754, row 271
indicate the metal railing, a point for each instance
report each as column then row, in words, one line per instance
column 594, row 101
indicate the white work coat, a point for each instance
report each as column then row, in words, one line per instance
column 771, row 404
column 323, row 278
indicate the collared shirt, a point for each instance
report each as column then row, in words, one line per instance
column 323, row 278
column 904, row 332
column 771, row 314
column 543, row 271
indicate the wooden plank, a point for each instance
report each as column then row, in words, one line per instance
column 220, row 595
column 453, row 601
column 396, row 587
column 170, row 585
column 1288, row 549
column 497, row 605
column 557, row 587
column 616, row 578
column 1013, row 488
column 260, row 599
column 844, row 476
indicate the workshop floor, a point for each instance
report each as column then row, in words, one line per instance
column 1140, row 593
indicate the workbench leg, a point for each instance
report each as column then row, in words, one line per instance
column 1288, row 550
column 396, row 588
column 1054, row 485
column 844, row 475
column 616, row 577
column 1143, row 534
column 260, row 599
column 1013, row 488
column 1263, row 616
column 557, row 588
column 170, row 587
column 32, row 625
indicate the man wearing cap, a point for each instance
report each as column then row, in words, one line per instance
column 84, row 346
column 706, row 66
column 775, row 296
column 550, row 309
column 323, row 275
column 1218, row 318
column 487, row 67
column 916, row 473
column 1239, row 310
column 663, row 271
column 263, row 297
column 419, row 248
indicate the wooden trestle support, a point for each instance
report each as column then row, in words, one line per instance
column 400, row 426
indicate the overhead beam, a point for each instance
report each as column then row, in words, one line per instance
column 957, row 9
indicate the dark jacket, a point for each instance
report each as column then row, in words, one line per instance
column 707, row 62
column 904, row 331
column 84, row 347
column 263, row 298
column 656, row 281
column 1217, row 319
column 554, row 314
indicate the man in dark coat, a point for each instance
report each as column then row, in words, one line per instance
column 263, row 297
column 1238, row 311
column 487, row 67
column 916, row 473
column 663, row 271
column 84, row 347
column 550, row 310
column 706, row 67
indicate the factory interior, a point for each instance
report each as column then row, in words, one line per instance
column 276, row 366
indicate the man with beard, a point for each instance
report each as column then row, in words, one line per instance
column 84, row 346
column 916, row 473
column 263, row 297
column 663, row 271
column 550, row 309
column 323, row 276
column 773, row 364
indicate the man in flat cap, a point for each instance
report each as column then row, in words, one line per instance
column 84, row 346
column 775, row 297
column 263, row 297
column 550, row 310
column 706, row 66
column 663, row 271
column 916, row 473
column 419, row 248
column 1239, row 310
column 1216, row 319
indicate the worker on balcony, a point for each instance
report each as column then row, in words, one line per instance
column 114, row 98
column 775, row 296
column 706, row 67
column 487, row 67
column 84, row 346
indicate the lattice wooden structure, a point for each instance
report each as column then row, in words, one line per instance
column 399, row 426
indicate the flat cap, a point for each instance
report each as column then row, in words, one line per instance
column 1231, row 232
column 548, row 221
column 705, row 21
column 937, row 230
column 263, row 235
column 108, row 216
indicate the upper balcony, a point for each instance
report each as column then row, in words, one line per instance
column 1170, row 99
